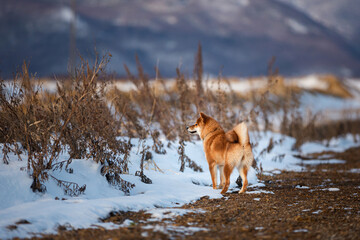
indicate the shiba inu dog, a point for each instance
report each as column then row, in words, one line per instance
column 224, row 150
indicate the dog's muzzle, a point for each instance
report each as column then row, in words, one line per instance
column 187, row 128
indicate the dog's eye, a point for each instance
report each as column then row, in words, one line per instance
column 195, row 124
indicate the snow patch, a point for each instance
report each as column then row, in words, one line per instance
column 159, row 214
column 311, row 82
column 172, row 20
column 66, row 14
column 259, row 192
column 296, row 26
column 334, row 145
column 328, row 161
column 172, row 228
column 331, row 189
column 355, row 170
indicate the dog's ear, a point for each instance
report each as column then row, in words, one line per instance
column 203, row 117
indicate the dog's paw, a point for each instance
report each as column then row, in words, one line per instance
column 220, row 187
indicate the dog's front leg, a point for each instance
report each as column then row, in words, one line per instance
column 213, row 173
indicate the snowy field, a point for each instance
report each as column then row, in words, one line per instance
column 43, row 213
column 170, row 187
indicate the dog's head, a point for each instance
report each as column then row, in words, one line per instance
column 199, row 125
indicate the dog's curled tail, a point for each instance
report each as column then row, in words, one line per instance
column 242, row 132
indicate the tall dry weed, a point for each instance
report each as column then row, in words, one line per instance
column 76, row 119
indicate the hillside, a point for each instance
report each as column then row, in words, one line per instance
column 241, row 35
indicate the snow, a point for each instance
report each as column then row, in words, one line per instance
column 174, row 228
column 312, row 82
column 330, row 107
column 123, row 86
column 331, row 189
column 17, row 192
column 127, row 223
column 354, row 85
column 334, row 145
column 317, row 162
column 170, row 188
column 238, row 85
column 66, row 14
column 259, row 192
column 355, row 170
column 159, row 214
column 296, row 27
column 317, row 212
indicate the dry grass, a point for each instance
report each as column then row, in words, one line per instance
column 74, row 119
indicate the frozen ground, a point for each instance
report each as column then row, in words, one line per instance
column 170, row 187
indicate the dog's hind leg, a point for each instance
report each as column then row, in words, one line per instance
column 243, row 174
column 222, row 177
column 227, row 172
column 213, row 173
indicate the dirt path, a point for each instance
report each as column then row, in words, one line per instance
column 320, row 203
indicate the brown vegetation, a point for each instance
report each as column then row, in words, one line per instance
column 76, row 118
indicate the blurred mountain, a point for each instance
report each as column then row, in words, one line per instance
column 339, row 16
column 238, row 37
